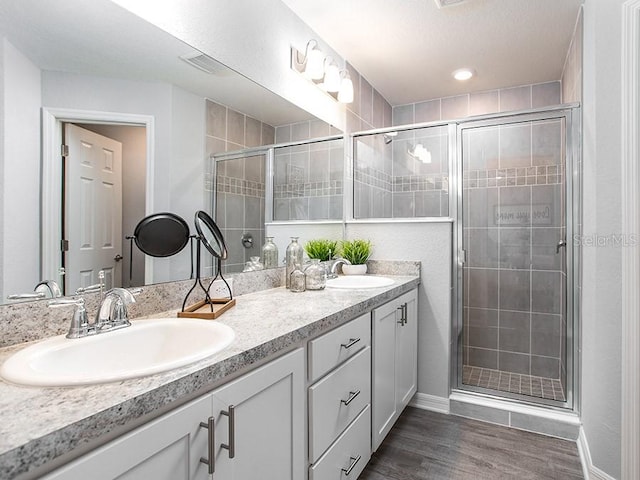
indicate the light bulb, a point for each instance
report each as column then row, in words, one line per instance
column 314, row 68
column 345, row 94
column 332, row 78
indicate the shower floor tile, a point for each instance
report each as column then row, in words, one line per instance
column 547, row 388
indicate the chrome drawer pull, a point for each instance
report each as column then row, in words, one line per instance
column 354, row 460
column 352, row 342
column 211, row 434
column 352, row 396
column 232, row 431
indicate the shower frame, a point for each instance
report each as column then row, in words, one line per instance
column 573, row 211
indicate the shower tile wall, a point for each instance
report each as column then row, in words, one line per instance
column 392, row 183
column 513, row 214
column 240, row 189
column 308, row 179
column 434, row 203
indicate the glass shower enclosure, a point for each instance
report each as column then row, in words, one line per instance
column 515, row 258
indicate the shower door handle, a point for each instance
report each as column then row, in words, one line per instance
column 561, row 244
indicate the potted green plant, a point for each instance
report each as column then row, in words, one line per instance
column 321, row 248
column 357, row 252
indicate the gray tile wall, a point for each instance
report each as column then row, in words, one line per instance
column 241, row 183
column 513, row 214
column 462, row 106
column 391, row 183
column 308, row 179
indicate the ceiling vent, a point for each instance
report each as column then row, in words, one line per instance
column 205, row 63
column 448, row 3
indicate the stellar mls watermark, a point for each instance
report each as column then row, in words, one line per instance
column 615, row 240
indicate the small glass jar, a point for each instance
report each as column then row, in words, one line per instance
column 248, row 267
column 293, row 257
column 269, row 253
column 316, row 275
column 255, row 262
column 297, row 280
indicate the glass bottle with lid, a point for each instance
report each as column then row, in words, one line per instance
column 269, row 253
column 293, row 259
column 316, row 275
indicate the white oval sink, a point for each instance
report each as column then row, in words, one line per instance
column 144, row 348
column 355, row 282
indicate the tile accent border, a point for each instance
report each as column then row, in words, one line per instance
column 511, row 177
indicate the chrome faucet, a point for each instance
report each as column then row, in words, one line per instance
column 44, row 289
column 112, row 312
column 50, row 288
column 334, row 266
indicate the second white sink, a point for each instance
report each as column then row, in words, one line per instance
column 355, row 282
column 144, row 348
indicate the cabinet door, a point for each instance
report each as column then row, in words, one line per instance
column 264, row 436
column 407, row 351
column 169, row 447
column 384, row 395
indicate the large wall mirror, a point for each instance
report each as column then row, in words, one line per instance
column 78, row 73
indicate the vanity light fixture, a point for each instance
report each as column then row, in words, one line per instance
column 420, row 153
column 463, row 74
column 323, row 72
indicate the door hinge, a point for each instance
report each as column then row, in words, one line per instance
column 64, row 150
column 64, row 245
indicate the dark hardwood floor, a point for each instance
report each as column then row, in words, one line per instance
column 429, row 445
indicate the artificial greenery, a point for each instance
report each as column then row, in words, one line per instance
column 321, row 248
column 356, row 251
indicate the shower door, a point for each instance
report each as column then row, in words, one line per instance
column 513, row 270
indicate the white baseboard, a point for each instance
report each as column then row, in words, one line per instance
column 430, row 402
column 588, row 469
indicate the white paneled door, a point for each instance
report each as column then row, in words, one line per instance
column 93, row 209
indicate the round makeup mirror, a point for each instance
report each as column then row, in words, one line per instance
column 210, row 235
column 161, row 234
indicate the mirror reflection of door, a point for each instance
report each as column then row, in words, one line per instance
column 92, row 196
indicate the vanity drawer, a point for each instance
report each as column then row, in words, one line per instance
column 331, row 349
column 336, row 400
column 353, row 447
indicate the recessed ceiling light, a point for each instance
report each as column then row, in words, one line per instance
column 463, row 74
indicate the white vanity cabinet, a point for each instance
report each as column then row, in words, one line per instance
column 340, row 401
column 258, row 426
column 395, row 361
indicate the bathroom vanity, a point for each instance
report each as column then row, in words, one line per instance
column 309, row 388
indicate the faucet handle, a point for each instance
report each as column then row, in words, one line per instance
column 80, row 322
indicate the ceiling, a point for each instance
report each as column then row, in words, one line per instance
column 407, row 49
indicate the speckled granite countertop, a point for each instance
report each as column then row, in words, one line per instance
column 40, row 425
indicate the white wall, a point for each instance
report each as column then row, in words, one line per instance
column 252, row 38
column 178, row 139
column 429, row 243
column 20, row 246
column 601, row 304
column 187, row 168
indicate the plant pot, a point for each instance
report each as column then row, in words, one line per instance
column 354, row 269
